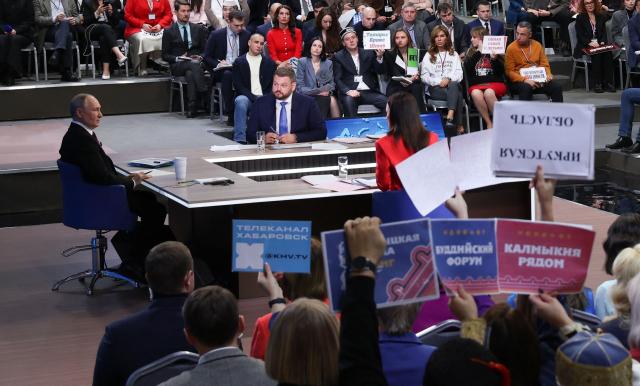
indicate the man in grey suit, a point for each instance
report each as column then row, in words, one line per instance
column 619, row 20
column 212, row 326
column 416, row 28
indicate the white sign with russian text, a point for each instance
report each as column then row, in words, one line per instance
column 376, row 40
column 494, row 44
column 535, row 73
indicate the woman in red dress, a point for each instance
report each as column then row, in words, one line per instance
column 406, row 136
column 284, row 41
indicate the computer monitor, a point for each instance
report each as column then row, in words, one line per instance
column 376, row 126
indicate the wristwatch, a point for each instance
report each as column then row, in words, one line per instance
column 361, row 263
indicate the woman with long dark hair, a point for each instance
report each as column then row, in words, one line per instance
column 17, row 19
column 392, row 60
column 314, row 77
column 284, row 40
column 592, row 33
column 407, row 135
column 326, row 27
column 100, row 21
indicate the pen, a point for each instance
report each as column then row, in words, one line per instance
column 148, row 171
column 271, row 129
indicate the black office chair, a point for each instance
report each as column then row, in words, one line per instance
column 440, row 333
column 102, row 208
column 163, row 369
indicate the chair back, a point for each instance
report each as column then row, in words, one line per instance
column 590, row 320
column 163, row 369
column 396, row 205
column 440, row 333
column 91, row 206
column 573, row 37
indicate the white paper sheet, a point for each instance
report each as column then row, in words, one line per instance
column 351, row 139
column 328, row 146
column 221, row 148
column 339, row 186
column 316, row 179
column 427, row 177
column 157, row 172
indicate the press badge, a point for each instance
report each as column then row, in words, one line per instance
column 152, row 16
column 388, row 9
column 357, row 78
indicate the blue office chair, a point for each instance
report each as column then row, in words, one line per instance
column 102, row 208
column 163, row 369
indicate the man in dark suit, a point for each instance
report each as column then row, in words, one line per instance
column 156, row 331
column 212, row 324
column 266, row 27
column 285, row 115
column 223, row 47
column 81, row 147
column 310, row 23
column 356, row 75
column 495, row 27
column 457, row 28
column 368, row 23
column 182, row 47
column 252, row 78
column 408, row 21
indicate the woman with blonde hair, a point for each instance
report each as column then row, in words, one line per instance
column 304, row 345
column 625, row 267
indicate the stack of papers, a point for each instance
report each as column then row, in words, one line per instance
column 221, row 148
column 351, row 139
column 151, row 162
column 331, row 182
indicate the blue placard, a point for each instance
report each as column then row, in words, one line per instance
column 361, row 127
column 406, row 273
column 465, row 254
column 285, row 245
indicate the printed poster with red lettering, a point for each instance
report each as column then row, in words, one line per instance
column 536, row 256
column 465, row 254
column 406, row 273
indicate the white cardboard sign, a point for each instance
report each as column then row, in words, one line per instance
column 535, row 73
column 494, row 44
column 376, row 40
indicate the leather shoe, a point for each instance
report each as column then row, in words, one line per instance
column 598, row 88
column 67, row 77
column 620, row 143
column 633, row 150
column 609, row 88
column 53, row 59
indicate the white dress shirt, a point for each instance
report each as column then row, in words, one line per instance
column 278, row 108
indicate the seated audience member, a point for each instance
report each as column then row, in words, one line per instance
column 198, row 14
column 314, row 77
column 284, row 40
column 285, row 115
column 417, row 29
column 144, row 30
column 252, row 78
column 182, row 47
column 403, row 355
column 296, row 285
column 392, row 63
column 525, row 52
column 426, row 11
column 455, row 27
column 623, row 233
column 551, row 10
column 223, row 47
column 304, row 343
column 619, row 20
column 156, row 331
column 326, row 29
column 346, row 14
column 219, row 12
column 516, row 12
column 17, row 19
column 310, row 22
column 633, row 27
column 369, row 22
column 442, row 73
column 625, row 267
column 100, row 21
column 592, row 33
column 633, row 293
column 485, row 76
column 407, row 135
column 494, row 27
column 264, row 29
column 212, row 325
column 629, row 99
column 355, row 72
column 55, row 22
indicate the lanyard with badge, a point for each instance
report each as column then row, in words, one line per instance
column 152, row 16
column 442, row 61
column 356, row 62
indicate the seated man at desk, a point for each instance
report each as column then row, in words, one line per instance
column 81, row 147
column 285, row 115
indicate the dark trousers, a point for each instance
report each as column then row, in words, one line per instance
column 225, row 78
column 194, row 74
column 414, row 89
column 525, row 92
column 324, row 104
column 601, row 68
column 104, row 34
column 61, row 36
column 10, row 57
column 453, row 95
column 563, row 18
column 350, row 104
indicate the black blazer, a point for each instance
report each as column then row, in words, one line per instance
column 90, row 18
column 140, row 339
column 79, row 148
column 173, row 45
column 377, row 26
column 392, row 69
column 459, row 34
column 19, row 14
column 344, row 70
column 585, row 34
column 306, row 122
column 242, row 76
column 216, row 47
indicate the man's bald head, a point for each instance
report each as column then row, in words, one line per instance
column 273, row 9
column 368, row 17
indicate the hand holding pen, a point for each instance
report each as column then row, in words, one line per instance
column 271, row 137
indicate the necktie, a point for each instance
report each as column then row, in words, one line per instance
column 305, row 7
column 95, row 138
column 185, row 37
column 283, row 127
column 486, row 25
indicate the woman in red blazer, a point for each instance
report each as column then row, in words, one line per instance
column 146, row 19
column 406, row 136
column 284, row 41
